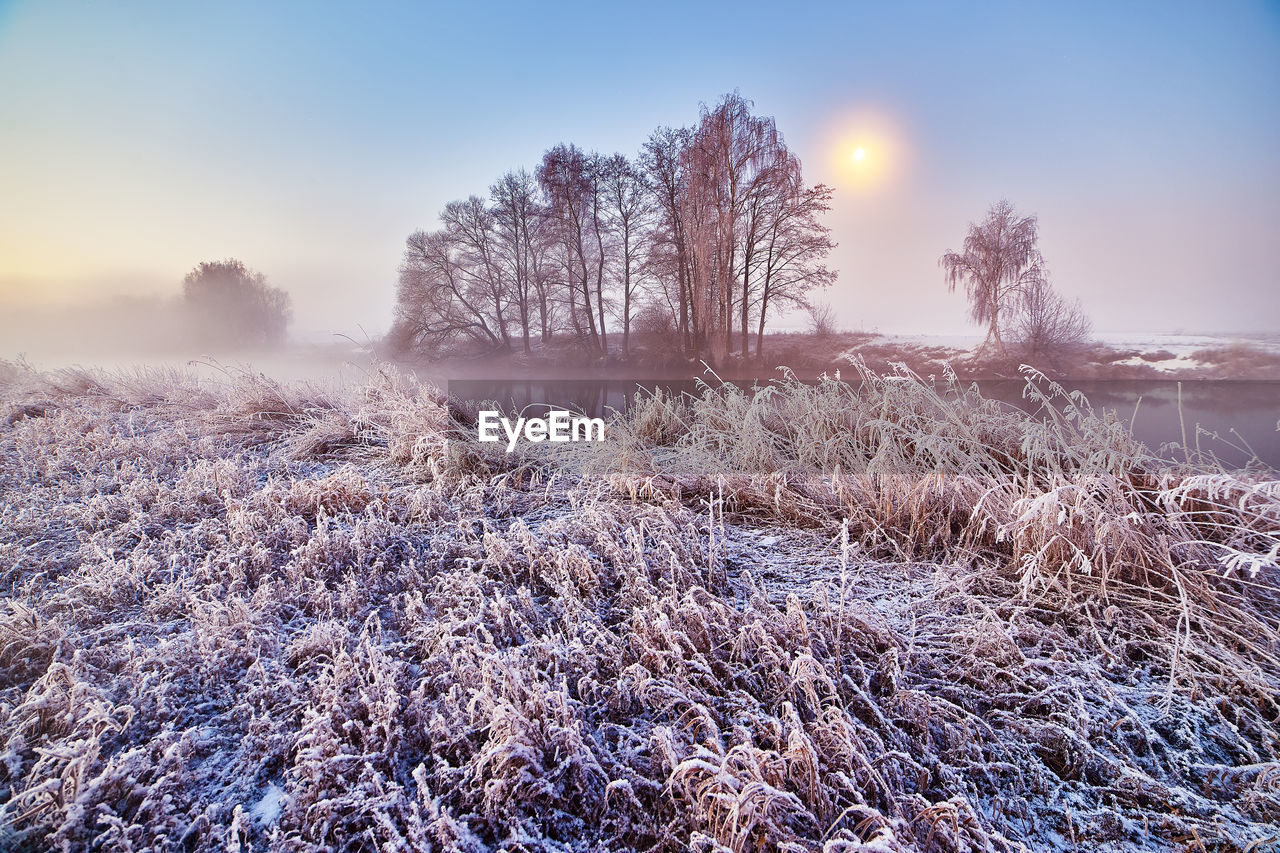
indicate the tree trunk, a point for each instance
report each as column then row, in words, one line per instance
column 682, row 273
column 764, row 304
column 726, row 298
column 586, row 296
column 604, row 341
column 626, row 301
column 993, row 333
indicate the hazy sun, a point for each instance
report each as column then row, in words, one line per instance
column 867, row 148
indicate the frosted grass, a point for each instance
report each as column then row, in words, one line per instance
column 862, row 615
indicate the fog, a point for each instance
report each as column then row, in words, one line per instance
column 127, row 334
column 123, row 327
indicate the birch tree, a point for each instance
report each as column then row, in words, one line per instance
column 999, row 261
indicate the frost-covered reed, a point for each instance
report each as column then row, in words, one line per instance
column 864, row 615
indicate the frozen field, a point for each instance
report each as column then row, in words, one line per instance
column 236, row 614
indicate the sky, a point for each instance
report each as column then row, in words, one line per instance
column 309, row 139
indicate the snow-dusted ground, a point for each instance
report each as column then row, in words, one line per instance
column 1177, row 343
column 959, row 341
column 1185, row 343
column 1172, row 354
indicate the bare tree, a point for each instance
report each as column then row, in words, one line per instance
column 999, row 261
column 712, row 223
column 729, row 161
column 664, row 164
column 822, row 319
column 472, row 228
column 655, row 322
column 794, row 248
column 768, row 193
column 736, row 232
column 629, row 209
column 568, row 179
column 439, row 300
column 520, row 226
column 1047, row 324
column 599, row 213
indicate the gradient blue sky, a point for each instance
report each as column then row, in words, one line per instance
column 309, row 139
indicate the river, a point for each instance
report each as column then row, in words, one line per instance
column 1242, row 413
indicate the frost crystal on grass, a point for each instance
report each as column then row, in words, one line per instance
column 267, row 810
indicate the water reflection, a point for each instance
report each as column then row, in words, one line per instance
column 1241, row 413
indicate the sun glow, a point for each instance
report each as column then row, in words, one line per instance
column 867, row 151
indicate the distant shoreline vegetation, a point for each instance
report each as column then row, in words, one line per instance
column 693, row 245
column 223, row 307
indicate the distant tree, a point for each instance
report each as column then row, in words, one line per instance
column 822, row 319
column 728, row 167
column 713, row 224
column 629, row 207
column 569, row 178
column 999, row 262
column 1047, row 324
column 656, row 322
column 471, row 229
column 793, row 249
column 229, row 303
column 668, row 260
column 738, row 233
column 522, row 246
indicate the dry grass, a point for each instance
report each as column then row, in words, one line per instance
column 243, row 615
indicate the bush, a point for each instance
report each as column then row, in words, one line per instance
column 822, row 320
column 1048, row 324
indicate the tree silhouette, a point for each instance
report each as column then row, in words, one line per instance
column 229, row 303
column 999, row 262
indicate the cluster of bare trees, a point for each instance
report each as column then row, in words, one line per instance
column 703, row 237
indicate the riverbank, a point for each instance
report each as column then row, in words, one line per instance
column 1117, row 356
column 821, row 618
